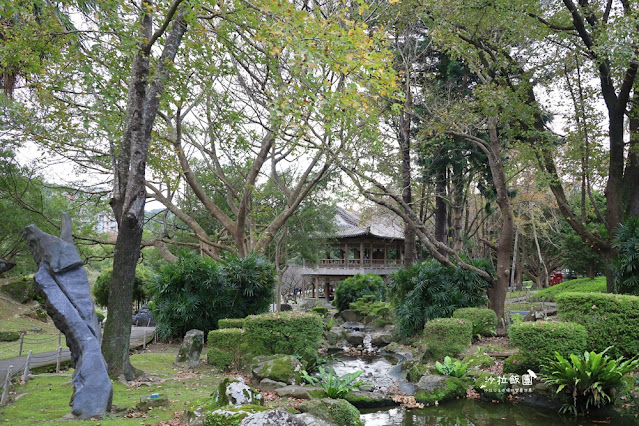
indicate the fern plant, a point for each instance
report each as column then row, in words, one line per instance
column 591, row 380
column 455, row 368
column 335, row 386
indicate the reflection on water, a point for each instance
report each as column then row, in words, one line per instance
column 480, row 413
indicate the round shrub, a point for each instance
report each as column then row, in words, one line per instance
column 102, row 284
column 321, row 310
column 538, row 341
column 446, row 337
column 431, row 290
column 484, row 320
column 610, row 320
column 196, row 292
column 355, row 287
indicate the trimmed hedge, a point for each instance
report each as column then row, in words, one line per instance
column 610, row 320
column 287, row 333
column 538, row 341
column 484, row 320
column 321, row 310
column 447, row 336
column 225, row 338
column 582, row 285
column 230, row 323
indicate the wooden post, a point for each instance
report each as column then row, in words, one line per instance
column 144, row 341
column 59, row 338
column 25, row 374
column 5, row 392
column 58, row 359
column 21, row 343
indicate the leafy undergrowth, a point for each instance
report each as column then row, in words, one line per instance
column 598, row 285
column 45, row 398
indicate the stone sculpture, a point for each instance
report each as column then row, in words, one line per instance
column 189, row 353
column 62, row 282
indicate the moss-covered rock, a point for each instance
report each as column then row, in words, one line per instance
column 478, row 360
column 337, row 411
column 415, row 372
column 231, row 415
column 233, row 391
column 518, row 364
column 435, row 388
column 490, row 387
column 286, row 369
column 361, row 399
column 9, row 336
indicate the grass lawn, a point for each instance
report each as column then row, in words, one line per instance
column 598, row 285
column 45, row 398
column 12, row 319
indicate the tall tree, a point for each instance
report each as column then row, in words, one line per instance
column 129, row 192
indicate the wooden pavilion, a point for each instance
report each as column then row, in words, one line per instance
column 374, row 245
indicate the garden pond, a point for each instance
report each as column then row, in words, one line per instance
column 384, row 372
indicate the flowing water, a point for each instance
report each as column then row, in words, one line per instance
column 384, row 373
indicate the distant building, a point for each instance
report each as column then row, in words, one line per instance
column 374, row 245
column 106, row 224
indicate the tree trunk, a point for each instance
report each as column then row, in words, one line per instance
column 407, row 196
column 441, row 215
column 129, row 194
column 497, row 292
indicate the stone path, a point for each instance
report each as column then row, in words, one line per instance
column 49, row 358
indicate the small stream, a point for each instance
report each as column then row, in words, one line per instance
column 384, row 373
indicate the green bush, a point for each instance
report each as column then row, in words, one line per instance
column 100, row 315
column 357, row 286
column 431, row 290
column 230, row 323
column 484, row 320
column 610, row 319
column 219, row 358
column 626, row 265
column 290, row 333
column 196, row 292
column 447, row 337
column 102, row 284
column 582, row 285
column 367, row 305
column 322, row 310
column 20, row 289
column 537, row 341
column 227, row 347
column 588, row 381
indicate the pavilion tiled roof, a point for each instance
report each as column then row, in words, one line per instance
column 350, row 224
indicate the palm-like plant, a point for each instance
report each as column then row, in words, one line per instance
column 592, row 379
column 627, row 263
column 455, row 368
column 335, row 386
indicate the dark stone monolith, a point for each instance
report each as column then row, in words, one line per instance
column 189, row 353
column 62, row 282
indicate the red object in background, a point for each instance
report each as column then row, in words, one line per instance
column 556, row 278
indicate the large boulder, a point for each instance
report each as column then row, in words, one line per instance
column 337, row 411
column 381, row 338
column 355, row 338
column 436, row 388
column 189, row 353
column 226, row 415
column 280, row 417
column 351, row 316
column 362, row 399
column 234, row 391
column 293, row 391
column 286, row 369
